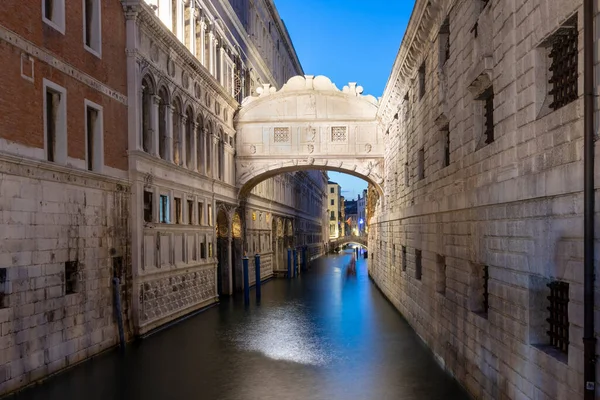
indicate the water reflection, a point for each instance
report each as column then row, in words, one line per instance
column 325, row 335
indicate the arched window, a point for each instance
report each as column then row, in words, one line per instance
column 146, row 106
column 200, row 144
column 189, row 137
column 163, row 109
column 209, row 150
column 177, row 132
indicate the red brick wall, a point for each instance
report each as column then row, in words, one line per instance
column 24, row 17
column 21, row 110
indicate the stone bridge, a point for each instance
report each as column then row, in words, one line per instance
column 362, row 240
column 308, row 124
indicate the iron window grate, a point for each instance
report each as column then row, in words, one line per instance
column 486, row 293
column 488, row 98
column 563, row 68
column 559, row 315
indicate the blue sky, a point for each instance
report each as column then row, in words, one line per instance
column 348, row 41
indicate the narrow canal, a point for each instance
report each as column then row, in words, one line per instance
column 325, row 335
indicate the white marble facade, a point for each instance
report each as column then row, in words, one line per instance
column 187, row 73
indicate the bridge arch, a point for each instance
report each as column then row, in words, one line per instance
column 308, row 124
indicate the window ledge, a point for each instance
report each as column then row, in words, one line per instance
column 553, row 352
column 94, row 52
column 53, row 25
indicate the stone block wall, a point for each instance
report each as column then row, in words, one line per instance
column 511, row 209
column 53, row 219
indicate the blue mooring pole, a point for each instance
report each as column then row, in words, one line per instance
column 289, row 263
column 258, row 282
column 295, row 272
column 246, row 282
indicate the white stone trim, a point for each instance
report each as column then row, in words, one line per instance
column 98, row 145
column 68, row 69
column 97, row 19
column 59, row 9
column 60, row 150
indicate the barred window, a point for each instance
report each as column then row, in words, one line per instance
column 418, row 265
column 488, row 99
column 446, row 138
column 559, row 315
column 403, row 258
column 563, row 66
column 479, row 292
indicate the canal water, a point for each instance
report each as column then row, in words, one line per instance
column 326, row 335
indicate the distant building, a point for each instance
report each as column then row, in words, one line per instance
column 334, row 209
column 342, row 216
column 361, row 210
column 351, row 218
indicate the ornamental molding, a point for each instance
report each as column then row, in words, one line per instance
column 320, row 83
column 60, row 65
column 420, row 33
column 177, row 52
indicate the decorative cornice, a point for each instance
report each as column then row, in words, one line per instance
column 64, row 67
column 417, row 38
column 182, row 54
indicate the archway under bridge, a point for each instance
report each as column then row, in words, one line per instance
column 308, row 124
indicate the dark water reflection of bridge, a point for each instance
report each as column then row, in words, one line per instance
column 325, row 335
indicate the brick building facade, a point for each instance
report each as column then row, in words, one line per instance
column 63, row 183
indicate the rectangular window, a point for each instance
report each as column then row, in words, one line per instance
column 332, row 201
column 190, row 211
column 446, row 138
column 444, row 41
column 210, row 216
column 488, row 114
column 418, row 265
column 331, row 190
column 3, row 288
column 210, row 250
column 71, row 273
column 148, row 206
column 394, row 255
column 404, row 261
column 406, row 175
column 440, row 286
column 558, row 318
column 55, row 122
column 421, row 163
column 202, row 250
column 164, row 209
column 564, row 65
column 201, row 213
column 178, row 211
column 422, row 81
column 53, row 14
column 94, row 141
column 92, row 29
column 332, row 215
column 479, row 294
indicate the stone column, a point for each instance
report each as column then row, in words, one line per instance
column 194, row 145
column 154, row 125
column 183, row 143
column 193, row 12
column 169, row 133
column 211, row 53
column 202, row 57
column 205, row 150
column 215, row 157
column 221, row 74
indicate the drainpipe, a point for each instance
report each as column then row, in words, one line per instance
column 589, row 339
